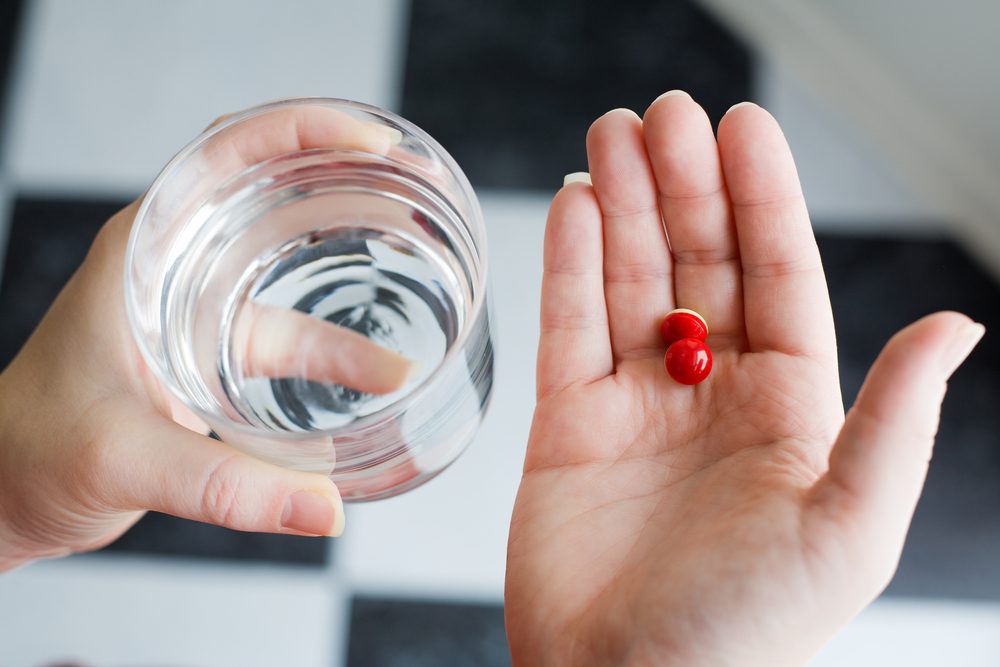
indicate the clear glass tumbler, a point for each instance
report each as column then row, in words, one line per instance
column 284, row 226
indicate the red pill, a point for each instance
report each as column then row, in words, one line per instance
column 688, row 360
column 683, row 323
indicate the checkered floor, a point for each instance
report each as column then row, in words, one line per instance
column 98, row 95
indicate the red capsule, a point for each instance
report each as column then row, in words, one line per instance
column 683, row 323
column 688, row 360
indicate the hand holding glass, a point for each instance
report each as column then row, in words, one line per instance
column 314, row 287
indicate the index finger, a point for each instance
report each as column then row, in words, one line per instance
column 281, row 342
column 786, row 303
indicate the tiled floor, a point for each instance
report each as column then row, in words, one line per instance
column 107, row 610
column 514, row 106
column 405, row 633
column 48, row 238
column 106, row 91
column 103, row 92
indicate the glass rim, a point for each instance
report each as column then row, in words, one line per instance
column 476, row 222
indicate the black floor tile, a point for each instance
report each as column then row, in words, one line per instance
column 399, row 633
column 878, row 286
column 162, row 535
column 48, row 239
column 510, row 88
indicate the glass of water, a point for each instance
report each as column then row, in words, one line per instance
column 271, row 244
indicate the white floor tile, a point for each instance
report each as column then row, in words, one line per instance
column 847, row 184
column 107, row 90
column 449, row 537
column 918, row 633
column 120, row 611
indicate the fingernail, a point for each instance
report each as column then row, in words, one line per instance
column 961, row 346
column 395, row 136
column 378, row 138
column 741, row 104
column 389, row 371
column 313, row 513
column 577, row 177
column 672, row 93
column 622, row 110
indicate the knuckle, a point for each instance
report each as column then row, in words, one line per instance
column 569, row 321
column 709, row 256
column 571, row 271
column 772, row 203
column 221, row 493
column 636, row 273
column 91, row 472
column 626, row 215
column 783, row 268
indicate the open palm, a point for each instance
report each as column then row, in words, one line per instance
column 739, row 521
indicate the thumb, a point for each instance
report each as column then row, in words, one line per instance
column 879, row 462
column 170, row 469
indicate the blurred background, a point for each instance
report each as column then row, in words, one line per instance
column 891, row 109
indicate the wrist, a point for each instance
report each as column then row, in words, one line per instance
column 600, row 647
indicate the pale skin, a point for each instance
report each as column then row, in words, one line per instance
column 90, row 439
column 741, row 521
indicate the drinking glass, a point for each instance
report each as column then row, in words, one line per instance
column 282, row 222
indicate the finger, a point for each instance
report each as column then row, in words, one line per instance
column 696, row 212
column 282, row 343
column 258, row 138
column 878, row 465
column 285, row 343
column 236, row 142
column 166, row 468
column 785, row 301
column 637, row 281
column 574, row 345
